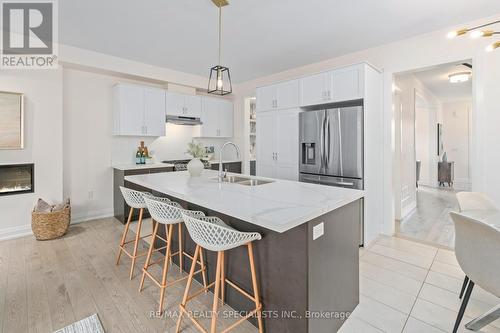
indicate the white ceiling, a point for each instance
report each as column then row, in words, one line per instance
column 260, row 37
column 436, row 80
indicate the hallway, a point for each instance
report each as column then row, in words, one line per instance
column 430, row 222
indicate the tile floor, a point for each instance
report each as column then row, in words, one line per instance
column 412, row 287
column 430, row 221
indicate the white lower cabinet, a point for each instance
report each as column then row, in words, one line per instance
column 278, row 144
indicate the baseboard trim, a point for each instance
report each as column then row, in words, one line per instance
column 25, row 230
column 15, row 232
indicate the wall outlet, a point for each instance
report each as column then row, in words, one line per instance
column 318, row 230
column 91, row 195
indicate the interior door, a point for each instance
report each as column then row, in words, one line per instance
column 266, row 163
column 287, row 144
column 225, row 119
column 154, row 111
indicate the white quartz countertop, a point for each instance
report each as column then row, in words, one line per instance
column 278, row 206
column 142, row 166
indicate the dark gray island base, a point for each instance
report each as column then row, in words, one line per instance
column 306, row 285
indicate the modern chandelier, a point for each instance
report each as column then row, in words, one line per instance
column 476, row 32
column 219, row 82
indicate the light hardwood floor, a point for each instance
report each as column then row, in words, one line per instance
column 405, row 287
column 48, row 285
column 430, row 221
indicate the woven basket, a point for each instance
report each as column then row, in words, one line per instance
column 51, row 225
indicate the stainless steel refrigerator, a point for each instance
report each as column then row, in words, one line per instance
column 331, row 147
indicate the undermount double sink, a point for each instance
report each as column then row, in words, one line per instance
column 247, row 181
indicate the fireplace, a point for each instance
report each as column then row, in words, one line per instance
column 16, row 179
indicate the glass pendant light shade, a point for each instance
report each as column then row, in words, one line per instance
column 219, row 82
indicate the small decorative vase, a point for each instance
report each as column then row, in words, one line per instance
column 195, row 167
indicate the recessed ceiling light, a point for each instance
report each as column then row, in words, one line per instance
column 459, row 77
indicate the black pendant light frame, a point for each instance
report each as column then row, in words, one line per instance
column 219, row 74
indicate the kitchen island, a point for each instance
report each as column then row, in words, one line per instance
column 307, row 261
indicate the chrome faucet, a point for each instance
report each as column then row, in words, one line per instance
column 221, row 174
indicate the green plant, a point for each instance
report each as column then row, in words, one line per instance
column 196, row 150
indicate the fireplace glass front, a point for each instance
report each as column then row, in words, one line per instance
column 16, row 179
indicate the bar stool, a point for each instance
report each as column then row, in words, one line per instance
column 212, row 234
column 169, row 214
column 135, row 200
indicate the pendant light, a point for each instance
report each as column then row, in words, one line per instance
column 219, row 82
column 478, row 32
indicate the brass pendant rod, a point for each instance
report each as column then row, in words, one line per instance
column 220, row 31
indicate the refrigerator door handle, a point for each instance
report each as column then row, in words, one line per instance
column 322, row 143
column 328, row 140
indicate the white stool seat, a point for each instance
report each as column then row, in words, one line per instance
column 133, row 198
column 165, row 211
column 213, row 234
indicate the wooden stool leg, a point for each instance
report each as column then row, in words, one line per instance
column 255, row 287
column 136, row 244
column 124, row 236
column 188, row 286
column 203, row 269
column 165, row 267
column 215, row 306
column 223, row 278
column 148, row 258
column 181, row 249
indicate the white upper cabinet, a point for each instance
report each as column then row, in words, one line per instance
column 344, row 84
column 154, row 111
column 312, row 89
column 282, row 95
column 183, row 105
column 138, row 110
column 216, row 118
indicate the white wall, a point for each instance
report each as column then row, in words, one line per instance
column 42, row 91
column 90, row 149
column 456, row 123
column 419, row 52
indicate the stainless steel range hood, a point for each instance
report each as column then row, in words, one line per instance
column 179, row 120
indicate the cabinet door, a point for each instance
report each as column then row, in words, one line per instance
column 209, row 118
column 225, row 119
column 287, row 143
column 192, row 105
column 266, row 144
column 175, row 104
column 266, row 97
column 312, row 90
column 154, row 112
column 346, row 84
column 287, row 94
column 129, row 109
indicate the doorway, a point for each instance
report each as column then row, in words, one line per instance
column 433, row 108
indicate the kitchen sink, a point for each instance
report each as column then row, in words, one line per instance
column 254, row 182
column 246, row 181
